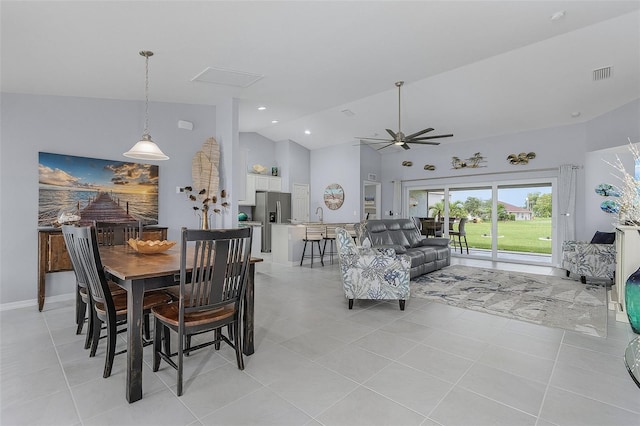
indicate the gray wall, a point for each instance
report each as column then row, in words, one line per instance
column 96, row 128
column 337, row 164
column 106, row 128
column 553, row 147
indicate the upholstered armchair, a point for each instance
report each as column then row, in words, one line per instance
column 595, row 259
column 369, row 273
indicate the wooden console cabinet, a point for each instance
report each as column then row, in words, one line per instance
column 53, row 256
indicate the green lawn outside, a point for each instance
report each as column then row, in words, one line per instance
column 515, row 235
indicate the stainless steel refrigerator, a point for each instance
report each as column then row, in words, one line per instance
column 271, row 207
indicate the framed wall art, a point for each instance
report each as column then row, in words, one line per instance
column 83, row 190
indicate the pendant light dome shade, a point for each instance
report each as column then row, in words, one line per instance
column 146, row 149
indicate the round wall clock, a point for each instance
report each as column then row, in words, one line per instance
column 334, row 196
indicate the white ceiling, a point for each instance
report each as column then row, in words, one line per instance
column 474, row 68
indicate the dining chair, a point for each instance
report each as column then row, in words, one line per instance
column 82, row 291
column 210, row 296
column 460, row 233
column 117, row 233
column 107, row 308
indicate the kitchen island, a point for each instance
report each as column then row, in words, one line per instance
column 287, row 241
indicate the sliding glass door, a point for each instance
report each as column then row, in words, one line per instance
column 525, row 222
column 511, row 221
column 474, row 204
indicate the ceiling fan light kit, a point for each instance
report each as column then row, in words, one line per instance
column 399, row 138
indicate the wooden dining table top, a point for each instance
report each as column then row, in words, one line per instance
column 127, row 264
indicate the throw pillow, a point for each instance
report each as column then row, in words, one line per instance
column 603, row 238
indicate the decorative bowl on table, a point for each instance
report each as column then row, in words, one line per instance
column 150, row 247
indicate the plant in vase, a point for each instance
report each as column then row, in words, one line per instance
column 205, row 204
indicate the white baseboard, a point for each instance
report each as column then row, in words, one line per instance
column 34, row 302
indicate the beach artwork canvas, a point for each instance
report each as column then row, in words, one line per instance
column 92, row 189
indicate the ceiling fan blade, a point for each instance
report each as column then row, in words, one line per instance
column 392, row 133
column 375, row 139
column 432, row 137
column 405, row 146
column 424, row 142
column 392, row 143
column 421, row 132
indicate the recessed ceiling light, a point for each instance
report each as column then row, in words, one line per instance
column 262, row 108
column 575, row 114
column 274, row 121
column 558, row 15
column 307, row 132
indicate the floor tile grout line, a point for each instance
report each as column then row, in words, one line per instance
column 553, row 369
column 64, row 373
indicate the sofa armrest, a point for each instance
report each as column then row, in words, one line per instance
column 442, row 242
column 398, row 249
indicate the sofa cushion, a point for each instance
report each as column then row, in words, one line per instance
column 604, row 238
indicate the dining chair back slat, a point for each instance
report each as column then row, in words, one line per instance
column 117, row 233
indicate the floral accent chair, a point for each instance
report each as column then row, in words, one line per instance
column 369, row 273
column 595, row 259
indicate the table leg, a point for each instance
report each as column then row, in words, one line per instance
column 247, row 317
column 135, row 295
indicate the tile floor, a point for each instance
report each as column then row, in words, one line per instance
column 318, row 363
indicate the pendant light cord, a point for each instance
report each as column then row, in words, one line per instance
column 146, row 95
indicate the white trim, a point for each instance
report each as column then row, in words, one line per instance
column 34, row 302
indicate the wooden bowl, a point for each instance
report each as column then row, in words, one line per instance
column 150, row 247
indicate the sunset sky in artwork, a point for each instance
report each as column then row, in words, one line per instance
column 80, row 173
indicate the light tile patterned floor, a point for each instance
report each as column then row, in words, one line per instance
column 317, row 362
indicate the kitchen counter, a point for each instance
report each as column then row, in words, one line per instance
column 256, row 238
column 286, row 243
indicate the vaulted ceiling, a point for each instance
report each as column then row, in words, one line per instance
column 472, row 68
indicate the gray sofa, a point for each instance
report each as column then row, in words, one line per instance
column 426, row 254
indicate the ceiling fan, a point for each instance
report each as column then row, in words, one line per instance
column 400, row 139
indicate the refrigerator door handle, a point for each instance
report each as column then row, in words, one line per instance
column 278, row 212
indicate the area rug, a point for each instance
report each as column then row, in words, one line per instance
column 546, row 300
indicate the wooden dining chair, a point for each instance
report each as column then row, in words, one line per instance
column 210, row 296
column 82, row 291
column 107, row 308
column 117, row 233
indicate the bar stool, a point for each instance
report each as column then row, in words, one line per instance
column 313, row 234
column 330, row 237
column 351, row 229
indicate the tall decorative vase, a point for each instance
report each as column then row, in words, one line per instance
column 632, row 300
column 205, row 217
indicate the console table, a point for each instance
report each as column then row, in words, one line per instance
column 627, row 261
column 53, row 256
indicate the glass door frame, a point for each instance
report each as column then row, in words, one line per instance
column 556, row 251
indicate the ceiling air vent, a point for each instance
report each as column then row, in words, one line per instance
column 227, row 77
column 602, row 73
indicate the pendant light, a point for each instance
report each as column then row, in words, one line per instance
column 146, row 149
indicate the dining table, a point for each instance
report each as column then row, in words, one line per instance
column 137, row 273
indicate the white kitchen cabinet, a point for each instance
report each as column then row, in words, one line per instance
column 250, row 192
column 259, row 183
column 268, row 183
column 275, row 183
column 262, row 182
